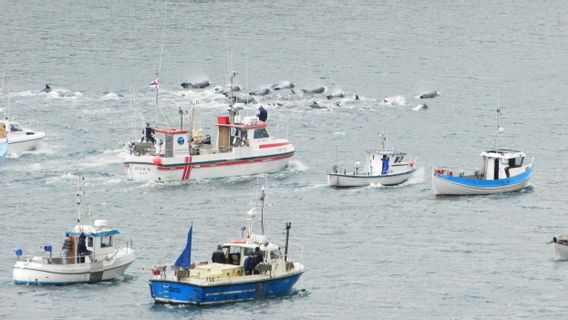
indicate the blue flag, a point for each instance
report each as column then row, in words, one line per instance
column 184, row 258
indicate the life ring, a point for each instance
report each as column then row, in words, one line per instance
column 411, row 163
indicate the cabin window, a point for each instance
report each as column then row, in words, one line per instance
column 275, row 254
column 516, row 162
column 14, row 127
column 106, row 241
column 260, row 133
column 90, row 242
column 398, row 159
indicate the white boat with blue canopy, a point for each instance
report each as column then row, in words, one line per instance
column 385, row 167
column 91, row 253
column 504, row 170
column 245, row 269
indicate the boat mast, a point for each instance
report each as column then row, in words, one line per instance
column 78, row 201
column 499, row 129
column 288, row 226
column 262, row 197
column 160, row 61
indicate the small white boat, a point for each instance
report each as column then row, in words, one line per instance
column 504, row 170
column 3, row 142
column 91, row 253
column 384, row 167
column 21, row 139
column 560, row 246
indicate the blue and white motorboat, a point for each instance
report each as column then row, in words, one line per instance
column 91, row 253
column 3, row 142
column 504, row 170
column 249, row 268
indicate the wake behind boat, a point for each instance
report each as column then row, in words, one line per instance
column 91, row 253
column 243, row 269
column 504, row 170
column 384, row 167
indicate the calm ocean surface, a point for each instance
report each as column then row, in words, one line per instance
column 371, row 252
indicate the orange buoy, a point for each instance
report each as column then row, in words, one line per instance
column 157, row 160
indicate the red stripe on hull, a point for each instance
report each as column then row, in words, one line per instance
column 273, row 145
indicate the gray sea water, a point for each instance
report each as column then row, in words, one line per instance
column 369, row 252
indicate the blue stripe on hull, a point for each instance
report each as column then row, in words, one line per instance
column 179, row 292
column 488, row 183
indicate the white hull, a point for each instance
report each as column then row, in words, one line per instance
column 560, row 251
column 345, row 180
column 17, row 144
column 204, row 167
column 31, row 272
column 444, row 187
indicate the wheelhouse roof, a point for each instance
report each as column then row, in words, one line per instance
column 170, row 131
column 101, row 233
column 257, row 125
column 503, row 154
column 251, row 245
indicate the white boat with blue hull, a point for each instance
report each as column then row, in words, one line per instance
column 245, row 269
column 504, row 170
column 90, row 254
column 384, row 167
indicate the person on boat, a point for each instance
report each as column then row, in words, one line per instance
column 253, row 260
column 262, row 114
column 148, row 133
column 66, row 248
column 82, row 248
column 218, row 255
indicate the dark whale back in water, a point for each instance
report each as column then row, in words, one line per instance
column 315, row 91
column 46, row 89
column 261, row 92
column 196, row 85
column 316, row 105
column 283, row 85
column 335, row 95
column 243, row 99
column 429, row 95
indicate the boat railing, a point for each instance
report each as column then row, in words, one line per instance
column 458, row 172
column 57, row 259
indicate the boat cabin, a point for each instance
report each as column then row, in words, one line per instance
column 100, row 241
column 502, row 163
column 242, row 132
column 382, row 162
column 236, row 251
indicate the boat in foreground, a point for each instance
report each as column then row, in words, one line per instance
column 384, row 167
column 21, row 139
column 90, row 254
column 244, row 269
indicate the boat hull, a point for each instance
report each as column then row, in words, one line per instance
column 3, row 151
column 165, row 291
column 203, row 167
column 455, row 185
column 18, row 144
column 32, row 273
column 345, row 180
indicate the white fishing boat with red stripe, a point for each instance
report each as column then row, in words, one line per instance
column 243, row 146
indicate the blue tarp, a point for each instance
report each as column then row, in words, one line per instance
column 184, row 259
column 385, row 168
